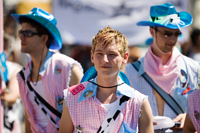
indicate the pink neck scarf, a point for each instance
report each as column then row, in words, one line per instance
column 163, row 75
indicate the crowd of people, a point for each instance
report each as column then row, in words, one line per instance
column 120, row 93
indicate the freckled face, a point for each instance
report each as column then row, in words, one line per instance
column 108, row 60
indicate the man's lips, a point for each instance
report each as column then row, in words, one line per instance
column 23, row 43
column 171, row 44
column 105, row 66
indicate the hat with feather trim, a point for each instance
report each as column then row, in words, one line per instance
column 165, row 15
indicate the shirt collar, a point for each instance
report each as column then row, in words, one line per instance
column 46, row 62
column 44, row 65
column 91, row 90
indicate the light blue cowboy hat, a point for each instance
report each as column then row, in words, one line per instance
column 48, row 21
column 165, row 15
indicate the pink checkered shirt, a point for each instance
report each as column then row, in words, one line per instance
column 55, row 79
column 194, row 108
column 89, row 113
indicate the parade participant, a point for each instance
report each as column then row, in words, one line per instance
column 164, row 74
column 106, row 103
column 192, row 123
column 47, row 74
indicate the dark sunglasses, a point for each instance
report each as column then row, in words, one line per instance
column 169, row 34
column 28, row 33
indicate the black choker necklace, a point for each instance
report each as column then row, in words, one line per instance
column 106, row 87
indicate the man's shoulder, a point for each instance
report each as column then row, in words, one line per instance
column 138, row 97
column 130, row 67
column 76, row 89
column 59, row 57
column 138, row 93
column 189, row 60
column 192, row 64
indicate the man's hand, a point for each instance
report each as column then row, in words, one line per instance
column 179, row 118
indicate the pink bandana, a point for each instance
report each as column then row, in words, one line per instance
column 163, row 75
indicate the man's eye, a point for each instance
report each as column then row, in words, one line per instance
column 178, row 34
column 28, row 33
column 168, row 34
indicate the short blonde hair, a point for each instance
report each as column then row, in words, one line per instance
column 108, row 36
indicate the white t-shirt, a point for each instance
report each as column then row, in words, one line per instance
column 108, row 108
column 40, row 118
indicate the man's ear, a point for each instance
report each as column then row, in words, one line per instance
column 151, row 30
column 92, row 57
column 126, row 55
column 44, row 38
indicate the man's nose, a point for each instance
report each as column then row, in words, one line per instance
column 105, row 58
column 174, row 38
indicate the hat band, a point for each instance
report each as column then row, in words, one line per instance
column 169, row 19
column 47, row 16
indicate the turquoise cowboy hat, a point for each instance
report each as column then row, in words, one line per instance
column 165, row 15
column 48, row 21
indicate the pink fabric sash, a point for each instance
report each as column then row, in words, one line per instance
column 163, row 75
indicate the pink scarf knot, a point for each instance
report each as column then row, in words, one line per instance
column 163, row 75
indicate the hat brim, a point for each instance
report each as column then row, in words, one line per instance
column 56, row 44
column 184, row 17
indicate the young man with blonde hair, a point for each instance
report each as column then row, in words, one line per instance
column 106, row 103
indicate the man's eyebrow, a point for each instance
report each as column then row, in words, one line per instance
column 98, row 50
column 171, row 31
column 113, row 51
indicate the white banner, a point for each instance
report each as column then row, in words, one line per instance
column 79, row 20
